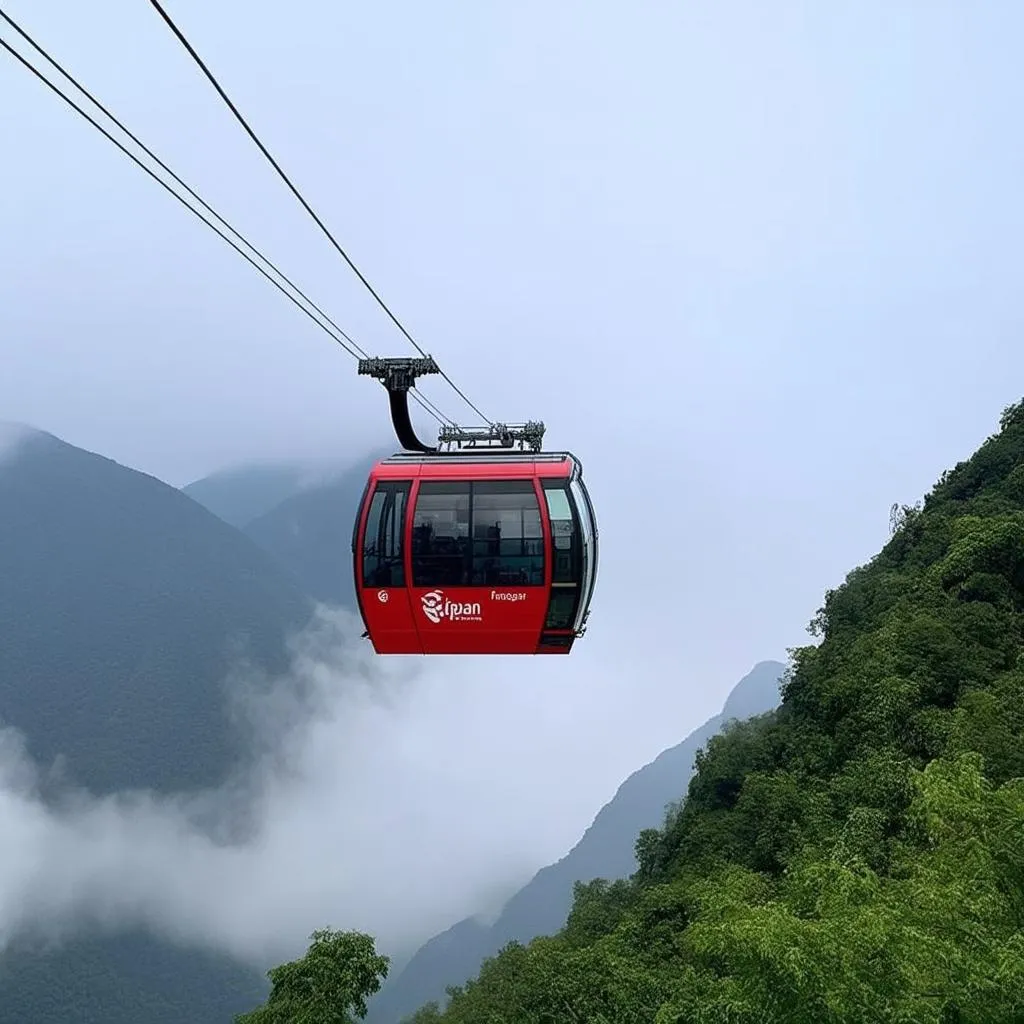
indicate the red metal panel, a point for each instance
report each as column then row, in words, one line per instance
column 386, row 471
column 509, row 469
column 478, row 620
column 386, row 611
column 388, row 618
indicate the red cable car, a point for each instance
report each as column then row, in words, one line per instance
column 477, row 551
column 464, row 553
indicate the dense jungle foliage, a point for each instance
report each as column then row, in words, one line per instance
column 856, row 856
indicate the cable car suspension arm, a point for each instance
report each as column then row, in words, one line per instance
column 398, row 375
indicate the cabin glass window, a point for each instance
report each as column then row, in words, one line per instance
column 508, row 538
column 479, row 533
column 588, row 547
column 562, row 607
column 383, row 553
column 564, row 536
column 565, row 547
column 440, row 534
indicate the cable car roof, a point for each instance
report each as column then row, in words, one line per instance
column 466, row 464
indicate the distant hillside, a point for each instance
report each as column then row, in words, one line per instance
column 122, row 604
column 242, row 493
column 310, row 534
column 605, row 851
column 124, row 979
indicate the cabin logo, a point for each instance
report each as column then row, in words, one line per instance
column 437, row 607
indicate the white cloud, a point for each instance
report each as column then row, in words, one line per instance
column 12, row 436
column 394, row 796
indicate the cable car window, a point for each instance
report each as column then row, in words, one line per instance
column 383, row 564
column 588, row 531
column 480, row 533
column 508, row 538
column 565, row 545
column 564, row 535
column 558, row 502
column 440, row 534
column 562, row 608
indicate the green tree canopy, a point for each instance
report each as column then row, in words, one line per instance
column 329, row 985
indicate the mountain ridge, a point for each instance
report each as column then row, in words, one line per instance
column 605, row 850
column 241, row 493
column 120, row 592
column 124, row 606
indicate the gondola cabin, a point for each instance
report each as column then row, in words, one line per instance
column 475, row 553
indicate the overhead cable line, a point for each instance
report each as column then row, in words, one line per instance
column 341, row 337
column 85, row 92
column 277, row 167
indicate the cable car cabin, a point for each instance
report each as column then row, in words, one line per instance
column 475, row 553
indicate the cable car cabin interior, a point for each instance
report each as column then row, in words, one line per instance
column 475, row 553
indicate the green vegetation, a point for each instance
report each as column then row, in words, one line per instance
column 127, row 978
column 856, row 856
column 329, row 985
column 542, row 906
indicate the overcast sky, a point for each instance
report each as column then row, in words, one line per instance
column 757, row 264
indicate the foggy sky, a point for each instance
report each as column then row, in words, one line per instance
column 756, row 264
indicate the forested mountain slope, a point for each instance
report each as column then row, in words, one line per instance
column 857, row 855
column 123, row 604
column 123, row 979
column 310, row 534
column 605, row 851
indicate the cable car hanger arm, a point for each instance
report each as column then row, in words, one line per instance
column 398, row 375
